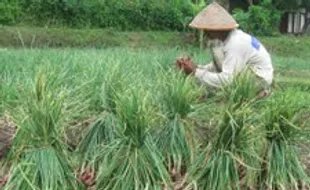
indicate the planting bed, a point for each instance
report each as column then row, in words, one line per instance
column 124, row 118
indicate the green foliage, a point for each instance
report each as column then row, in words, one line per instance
column 100, row 132
column 242, row 18
column 262, row 19
column 43, row 110
column 125, row 166
column 42, row 169
column 306, row 3
column 233, row 148
column 133, row 156
column 120, row 14
column 175, row 146
column 9, row 12
column 291, row 4
column 244, row 88
column 42, row 162
column 180, row 96
column 143, row 143
column 115, row 82
column 137, row 113
column 283, row 166
column 280, row 120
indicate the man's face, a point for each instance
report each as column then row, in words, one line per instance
column 213, row 35
column 217, row 35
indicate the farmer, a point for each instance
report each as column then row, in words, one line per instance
column 233, row 50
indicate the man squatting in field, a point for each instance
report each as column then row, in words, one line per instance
column 234, row 51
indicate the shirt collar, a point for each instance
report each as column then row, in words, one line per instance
column 229, row 37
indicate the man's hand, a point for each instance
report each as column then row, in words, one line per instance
column 186, row 65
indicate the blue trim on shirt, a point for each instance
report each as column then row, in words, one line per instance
column 255, row 43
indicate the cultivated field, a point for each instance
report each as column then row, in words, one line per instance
column 123, row 119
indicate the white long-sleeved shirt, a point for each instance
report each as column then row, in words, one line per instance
column 239, row 50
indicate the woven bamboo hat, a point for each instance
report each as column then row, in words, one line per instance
column 214, row 17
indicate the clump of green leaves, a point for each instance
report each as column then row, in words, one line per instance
column 42, row 169
column 102, row 130
column 179, row 99
column 115, row 82
column 231, row 160
column 244, row 87
column 38, row 151
column 230, row 152
column 132, row 161
column 282, row 166
column 179, row 95
column 40, row 116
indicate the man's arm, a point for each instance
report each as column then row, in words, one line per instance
column 233, row 62
column 209, row 67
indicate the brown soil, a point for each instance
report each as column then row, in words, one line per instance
column 76, row 130
column 7, row 132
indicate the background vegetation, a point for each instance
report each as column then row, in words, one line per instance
column 119, row 14
column 262, row 18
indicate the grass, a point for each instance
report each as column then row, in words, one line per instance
column 133, row 156
column 283, row 129
column 284, row 46
column 94, row 38
column 288, row 46
column 148, row 129
column 38, row 146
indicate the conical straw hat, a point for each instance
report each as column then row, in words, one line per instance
column 214, row 17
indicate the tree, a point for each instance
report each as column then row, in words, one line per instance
column 288, row 4
column 294, row 5
column 284, row 4
column 224, row 3
column 306, row 4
